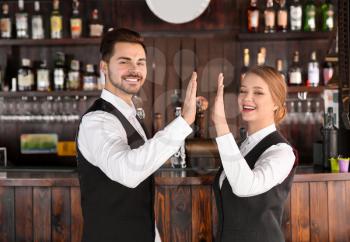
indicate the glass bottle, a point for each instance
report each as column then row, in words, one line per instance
column 309, row 16
column 43, row 77
column 59, row 74
column 90, row 78
column 261, row 57
column 75, row 21
column 56, row 21
column 246, row 60
column 21, row 21
column 295, row 71
column 313, row 71
column 96, row 26
column 25, row 76
column 270, row 16
column 328, row 71
column 282, row 17
column 279, row 67
column 253, row 16
column 330, row 138
column 74, row 76
column 37, row 22
column 5, row 22
column 327, row 12
column 295, row 14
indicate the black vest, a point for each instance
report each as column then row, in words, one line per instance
column 256, row 218
column 113, row 212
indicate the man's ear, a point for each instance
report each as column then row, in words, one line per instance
column 103, row 67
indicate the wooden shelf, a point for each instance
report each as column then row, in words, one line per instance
column 278, row 36
column 49, row 42
column 52, row 94
column 296, row 89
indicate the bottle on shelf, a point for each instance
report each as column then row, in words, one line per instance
column 76, row 22
column 327, row 13
column 295, row 71
column 25, row 76
column 178, row 160
column 330, row 138
column 270, row 16
column 90, row 78
column 22, row 31
column 246, row 62
column 43, row 77
column 37, row 22
column 313, row 71
column 74, row 76
column 5, row 22
column 282, row 16
column 253, row 16
column 279, row 67
column 295, row 15
column 309, row 16
column 59, row 75
column 96, row 26
column 261, row 57
column 328, row 72
column 56, row 21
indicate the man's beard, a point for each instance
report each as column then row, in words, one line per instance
column 124, row 88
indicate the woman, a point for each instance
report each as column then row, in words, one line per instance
column 255, row 178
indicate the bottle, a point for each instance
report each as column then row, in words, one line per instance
column 25, row 76
column 89, row 78
column 282, row 17
column 295, row 14
column 253, row 16
column 330, row 138
column 59, row 74
column 309, row 16
column 261, row 57
column 178, row 160
column 96, row 26
column 74, row 76
column 75, row 21
column 279, row 67
column 295, row 71
column 21, row 21
column 246, row 61
column 56, row 21
column 313, row 71
column 327, row 12
column 5, row 22
column 37, row 22
column 328, row 72
column 270, row 16
column 43, row 77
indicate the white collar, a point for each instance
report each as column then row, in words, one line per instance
column 119, row 103
column 259, row 135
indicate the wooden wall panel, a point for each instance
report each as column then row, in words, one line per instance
column 300, row 212
column 61, row 224
column 76, row 215
column 7, row 216
column 42, row 214
column 201, row 214
column 24, row 213
column 162, row 212
column 214, row 214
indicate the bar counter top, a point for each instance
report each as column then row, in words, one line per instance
column 163, row 177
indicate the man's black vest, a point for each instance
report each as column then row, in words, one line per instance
column 256, row 218
column 113, row 212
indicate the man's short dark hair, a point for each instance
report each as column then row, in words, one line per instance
column 114, row 36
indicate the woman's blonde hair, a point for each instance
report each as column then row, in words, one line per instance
column 277, row 87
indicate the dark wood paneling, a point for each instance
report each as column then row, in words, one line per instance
column 76, row 215
column 42, row 214
column 201, row 214
column 61, row 214
column 318, row 212
column 7, row 216
column 300, row 212
column 24, row 213
column 214, row 215
column 162, row 212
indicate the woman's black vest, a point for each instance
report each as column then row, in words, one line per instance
column 256, row 218
column 113, row 212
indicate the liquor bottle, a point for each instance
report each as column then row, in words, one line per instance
column 246, row 60
column 327, row 11
column 279, row 67
column 282, row 16
column 270, row 16
column 37, row 22
column 96, row 26
column 328, row 72
column 5, row 22
column 309, row 16
column 56, row 21
column 295, row 71
column 295, row 14
column 74, row 76
column 21, row 21
column 313, row 71
column 330, row 138
column 178, row 160
column 43, row 77
column 90, row 78
column 253, row 16
column 25, row 76
column 59, row 74
column 76, row 21
column 261, row 57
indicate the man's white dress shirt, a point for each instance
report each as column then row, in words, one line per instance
column 102, row 140
column 271, row 168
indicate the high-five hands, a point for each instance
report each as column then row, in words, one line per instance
column 189, row 107
column 218, row 114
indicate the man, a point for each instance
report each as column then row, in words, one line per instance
column 115, row 159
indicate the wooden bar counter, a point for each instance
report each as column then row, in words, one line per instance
column 45, row 206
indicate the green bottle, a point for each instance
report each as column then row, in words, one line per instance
column 309, row 16
column 327, row 12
